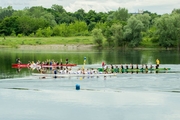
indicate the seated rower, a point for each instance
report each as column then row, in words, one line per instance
column 112, row 68
column 126, row 66
column 106, row 69
column 142, row 67
column 146, row 67
column 122, row 67
column 151, row 67
column 117, row 69
column 131, row 66
column 18, row 61
column 137, row 66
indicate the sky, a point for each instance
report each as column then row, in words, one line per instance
column 154, row 6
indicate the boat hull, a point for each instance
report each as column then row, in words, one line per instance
column 134, row 70
column 71, row 75
column 28, row 65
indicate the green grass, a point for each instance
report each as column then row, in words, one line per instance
column 148, row 44
column 16, row 41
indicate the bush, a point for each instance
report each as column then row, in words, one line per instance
column 20, row 35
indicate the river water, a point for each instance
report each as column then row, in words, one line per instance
column 127, row 96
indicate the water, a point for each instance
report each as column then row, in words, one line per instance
column 123, row 97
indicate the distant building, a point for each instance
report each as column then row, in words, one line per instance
column 139, row 12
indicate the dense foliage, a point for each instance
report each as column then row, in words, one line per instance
column 119, row 28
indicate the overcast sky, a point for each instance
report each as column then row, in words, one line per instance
column 154, row 6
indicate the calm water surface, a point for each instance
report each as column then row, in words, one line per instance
column 123, row 97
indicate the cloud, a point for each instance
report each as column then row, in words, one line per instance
column 158, row 6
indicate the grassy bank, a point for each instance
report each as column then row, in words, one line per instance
column 16, row 41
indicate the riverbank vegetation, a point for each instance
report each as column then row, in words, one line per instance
column 38, row 25
column 26, row 40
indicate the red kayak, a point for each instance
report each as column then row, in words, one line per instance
column 29, row 65
column 20, row 65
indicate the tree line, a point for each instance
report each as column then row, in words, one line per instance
column 119, row 28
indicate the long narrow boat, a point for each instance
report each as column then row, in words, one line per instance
column 40, row 65
column 71, row 75
column 20, row 65
column 135, row 70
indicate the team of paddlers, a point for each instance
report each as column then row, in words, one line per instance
column 105, row 68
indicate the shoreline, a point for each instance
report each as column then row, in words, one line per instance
column 72, row 47
column 55, row 47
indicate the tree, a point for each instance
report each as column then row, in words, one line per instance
column 78, row 28
column 40, row 12
column 28, row 25
column 168, row 27
column 176, row 11
column 108, row 35
column 145, row 19
column 6, row 12
column 8, row 25
column 133, row 30
column 121, row 14
column 97, row 36
column 80, row 15
column 48, row 32
column 117, row 34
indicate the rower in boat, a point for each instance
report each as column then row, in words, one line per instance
column 151, row 68
column 57, row 63
column 137, row 68
column 103, row 64
column 61, row 65
column 66, row 62
column 122, row 68
column 116, row 69
column 157, row 63
column 105, row 69
column 18, row 61
column 142, row 68
column 112, row 68
column 146, row 68
column 131, row 65
column 127, row 68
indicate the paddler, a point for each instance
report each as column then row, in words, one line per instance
column 18, row 61
column 61, row 64
column 103, row 64
column 157, row 63
column 146, row 67
column 131, row 66
column 122, row 68
column 105, row 69
column 112, row 68
column 66, row 63
column 137, row 66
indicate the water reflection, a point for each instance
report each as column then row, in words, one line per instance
column 127, row 96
